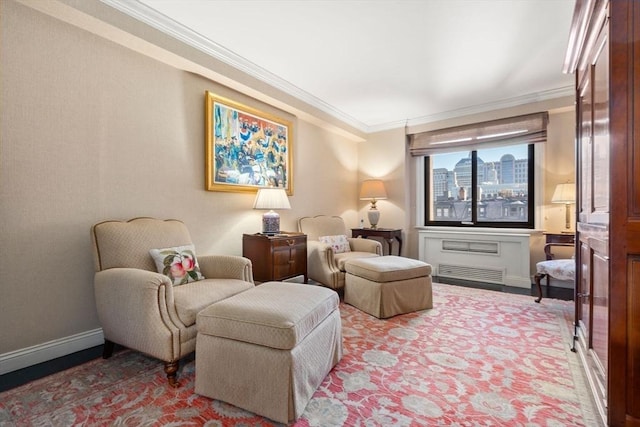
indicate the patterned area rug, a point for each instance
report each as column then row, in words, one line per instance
column 478, row 358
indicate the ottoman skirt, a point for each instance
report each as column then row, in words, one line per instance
column 387, row 299
column 387, row 286
column 274, row 383
column 268, row 349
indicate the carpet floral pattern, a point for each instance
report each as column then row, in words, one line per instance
column 478, row 358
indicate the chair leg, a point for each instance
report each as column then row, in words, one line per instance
column 107, row 351
column 171, row 369
column 537, row 278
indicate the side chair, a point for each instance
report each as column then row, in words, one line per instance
column 560, row 269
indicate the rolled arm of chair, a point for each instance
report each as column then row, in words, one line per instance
column 365, row 245
column 226, row 267
column 321, row 253
column 321, row 264
column 136, row 309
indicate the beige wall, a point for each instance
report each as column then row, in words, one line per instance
column 91, row 130
column 383, row 157
column 559, row 166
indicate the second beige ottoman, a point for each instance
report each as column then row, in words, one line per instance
column 387, row 286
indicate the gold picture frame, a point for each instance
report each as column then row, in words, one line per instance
column 246, row 149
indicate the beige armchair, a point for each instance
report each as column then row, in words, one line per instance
column 144, row 310
column 323, row 264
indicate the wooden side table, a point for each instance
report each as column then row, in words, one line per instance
column 388, row 234
column 558, row 239
column 278, row 257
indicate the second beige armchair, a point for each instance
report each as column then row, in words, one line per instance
column 326, row 256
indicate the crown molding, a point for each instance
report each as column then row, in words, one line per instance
column 168, row 26
column 480, row 108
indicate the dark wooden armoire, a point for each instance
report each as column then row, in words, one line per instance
column 604, row 54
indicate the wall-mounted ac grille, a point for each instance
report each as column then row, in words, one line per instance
column 476, row 274
column 470, row 246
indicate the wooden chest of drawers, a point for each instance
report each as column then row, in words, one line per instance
column 276, row 257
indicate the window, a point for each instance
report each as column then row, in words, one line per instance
column 486, row 187
column 482, row 174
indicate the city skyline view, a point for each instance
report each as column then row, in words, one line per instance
column 502, row 177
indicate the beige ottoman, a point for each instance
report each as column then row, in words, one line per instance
column 268, row 349
column 388, row 285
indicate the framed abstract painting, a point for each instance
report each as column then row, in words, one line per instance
column 246, row 149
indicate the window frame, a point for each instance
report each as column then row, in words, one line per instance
column 427, row 205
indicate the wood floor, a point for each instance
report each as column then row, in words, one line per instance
column 23, row 376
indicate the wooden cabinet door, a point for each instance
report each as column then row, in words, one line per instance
column 584, row 183
column 290, row 257
column 283, row 258
column 598, row 215
column 604, row 51
column 624, row 118
column 593, row 156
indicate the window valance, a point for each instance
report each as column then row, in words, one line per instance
column 527, row 129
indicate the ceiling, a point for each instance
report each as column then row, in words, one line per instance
column 379, row 64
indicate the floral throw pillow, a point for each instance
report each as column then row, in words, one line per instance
column 339, row 243
column 178, row 263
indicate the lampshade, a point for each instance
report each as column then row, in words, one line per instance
column 564, row 193
column 373, row 189
column 271, row 198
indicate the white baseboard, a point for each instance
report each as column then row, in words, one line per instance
column 33, row 355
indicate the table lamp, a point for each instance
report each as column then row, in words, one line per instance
column 373, row 189
column 565, row 193
column 270, row 199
